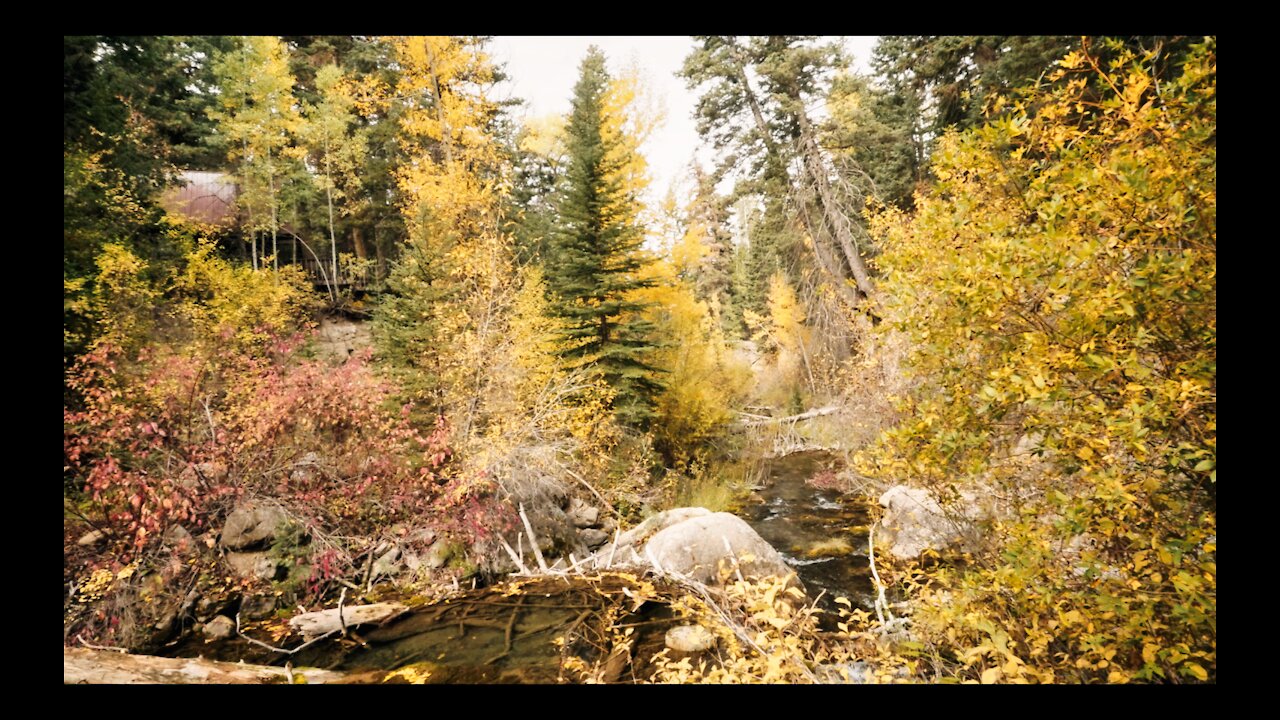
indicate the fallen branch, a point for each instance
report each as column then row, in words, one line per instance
column 595, row 492
column 533, row 540
column 331, row 621
column 84, row 666
column 515, row 558
column 880, row 600
column 817, row 412
column 261, row 644
column 90, row 645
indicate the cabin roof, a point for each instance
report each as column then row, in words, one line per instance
column 208, row 197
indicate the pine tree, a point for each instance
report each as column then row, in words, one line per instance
column 596, row 256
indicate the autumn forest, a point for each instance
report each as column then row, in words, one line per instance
column 372, row 374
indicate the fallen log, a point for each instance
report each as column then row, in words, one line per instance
column 315, row 624
column 85, row 666
column 793, row 418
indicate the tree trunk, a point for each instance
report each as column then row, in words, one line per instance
column 84, row 666
column 328, row 192
column 830, row 213
column 813, row 163
column 357, row 239
column 275, row 222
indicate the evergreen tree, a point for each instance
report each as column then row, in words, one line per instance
column 596, row 257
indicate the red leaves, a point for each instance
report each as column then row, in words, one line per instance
column 161, row 438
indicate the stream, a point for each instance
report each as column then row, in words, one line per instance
column 507, row 633
column 820, row 532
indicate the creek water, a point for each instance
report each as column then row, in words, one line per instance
column 820, row 532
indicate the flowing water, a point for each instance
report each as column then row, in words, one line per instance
column 820, row 532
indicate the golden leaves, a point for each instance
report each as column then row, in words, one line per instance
column 1034, row 283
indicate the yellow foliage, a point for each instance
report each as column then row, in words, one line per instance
column 217, row 296
column 703, row 380
column 1059, row 283
column 456, row 273
column 123, row 298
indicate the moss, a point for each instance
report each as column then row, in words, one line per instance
column 830, row 548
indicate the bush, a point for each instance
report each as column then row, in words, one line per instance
column 1059, row 283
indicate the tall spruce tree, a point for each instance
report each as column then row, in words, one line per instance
column 596, row 256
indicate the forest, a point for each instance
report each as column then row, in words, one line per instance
column 372, row 375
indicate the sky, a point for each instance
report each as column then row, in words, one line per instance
column 543, row 70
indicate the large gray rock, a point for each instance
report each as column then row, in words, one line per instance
column 701, row 546
column 251, row 524
column 914, row 521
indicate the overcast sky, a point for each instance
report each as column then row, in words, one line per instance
column 544, row 69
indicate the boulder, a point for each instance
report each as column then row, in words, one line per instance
column 257, row 606
column 219, row 628
column 250, row 525
column 700, row 546
column 593, row 538
column 257, row 565
column 583, row 515
column 914, row 521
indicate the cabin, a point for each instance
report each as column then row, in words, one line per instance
column 210, row 197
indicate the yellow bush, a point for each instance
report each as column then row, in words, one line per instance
column 1059, row 282
column 217, row 296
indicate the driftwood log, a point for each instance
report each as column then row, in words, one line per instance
column 790, row 418
column 315, row 624
column 85, row 666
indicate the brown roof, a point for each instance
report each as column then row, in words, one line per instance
column 207, row 196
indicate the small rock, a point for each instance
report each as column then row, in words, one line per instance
column 164, row 624
column 388, row 564
column 257, row 565
column 178, row 537
column 583, row 515
column 219, row 628
column 250, row 525
column 690, row 639
column 593, row 538
column 257, row 606
column 207, row 607
column 92, row 537
column 437, row 556
column 854, row 673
